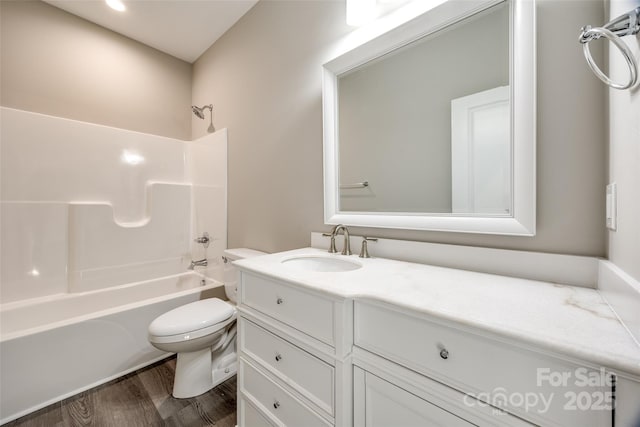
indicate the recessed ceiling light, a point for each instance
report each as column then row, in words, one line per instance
column 116, row 5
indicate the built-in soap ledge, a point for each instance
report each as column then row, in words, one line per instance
column 103, row 251
column 556, row 268
column 126, row 218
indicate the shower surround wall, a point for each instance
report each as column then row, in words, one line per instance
column 86, row 207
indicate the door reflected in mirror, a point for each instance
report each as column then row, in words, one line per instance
column 428, row 126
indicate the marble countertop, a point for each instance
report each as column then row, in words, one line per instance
column 569, row 320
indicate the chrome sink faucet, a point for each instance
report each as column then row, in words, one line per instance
column 346, row 249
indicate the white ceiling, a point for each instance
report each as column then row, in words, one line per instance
column 181, row 28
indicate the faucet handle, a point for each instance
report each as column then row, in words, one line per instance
column 332, row 245
column 204, row 240
column 364, row 251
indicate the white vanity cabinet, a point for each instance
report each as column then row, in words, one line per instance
column 375, row 347
column 289, row 339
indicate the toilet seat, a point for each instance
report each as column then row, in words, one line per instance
column 191, row 321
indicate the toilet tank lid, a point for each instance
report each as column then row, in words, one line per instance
column 242, row 253
column 191, row 317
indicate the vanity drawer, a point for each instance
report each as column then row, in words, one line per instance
column 288, row 410
column 504, row 375
column 250, row 416
column 306, row 373
column 304, row 311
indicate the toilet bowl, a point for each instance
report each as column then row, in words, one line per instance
column 203, row 334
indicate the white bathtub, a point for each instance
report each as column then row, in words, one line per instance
column 55, row 347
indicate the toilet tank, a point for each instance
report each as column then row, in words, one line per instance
column 230, row 277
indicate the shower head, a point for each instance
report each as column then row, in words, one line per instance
column 199, row 111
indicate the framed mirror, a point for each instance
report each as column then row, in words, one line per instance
column 431, row 125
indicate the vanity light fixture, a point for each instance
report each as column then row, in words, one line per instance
column 116, row 5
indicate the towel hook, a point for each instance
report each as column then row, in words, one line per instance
column 624, row 25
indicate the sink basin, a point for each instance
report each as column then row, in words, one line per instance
column 321, row 264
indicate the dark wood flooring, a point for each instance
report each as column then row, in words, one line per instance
column 142, row 398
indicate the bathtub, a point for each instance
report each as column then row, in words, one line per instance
column 54, row 347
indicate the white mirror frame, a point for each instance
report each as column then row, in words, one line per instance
column 522, row 74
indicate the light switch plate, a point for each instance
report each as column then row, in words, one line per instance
column 612, row 203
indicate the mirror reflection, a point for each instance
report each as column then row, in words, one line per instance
column 426, row 128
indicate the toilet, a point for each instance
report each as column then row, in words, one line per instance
column 203, row 334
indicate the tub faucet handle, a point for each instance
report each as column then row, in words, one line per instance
column 203, row 240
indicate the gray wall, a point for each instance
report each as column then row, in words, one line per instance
column 263, row 77
column 264, row 80
column 55, row 63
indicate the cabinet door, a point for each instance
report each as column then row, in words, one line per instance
column 378, row 403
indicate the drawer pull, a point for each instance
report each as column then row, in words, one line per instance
column 278, row 357
column 276, row 404
column 279, row 301
column 444, row 353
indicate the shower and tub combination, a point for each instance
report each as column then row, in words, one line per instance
column 97, row 234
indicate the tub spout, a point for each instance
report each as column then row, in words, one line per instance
column 199, row 263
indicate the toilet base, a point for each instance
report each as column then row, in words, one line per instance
column 193, row 374
column 199, row 371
